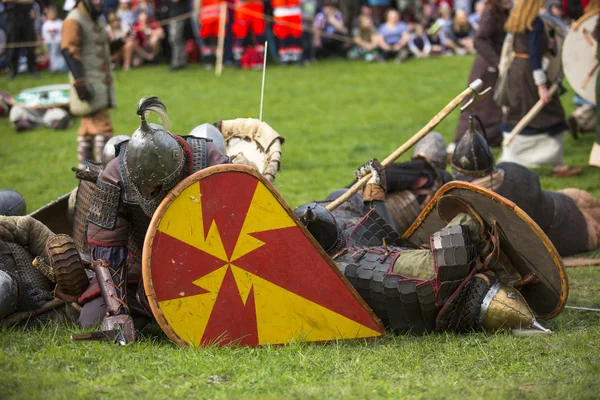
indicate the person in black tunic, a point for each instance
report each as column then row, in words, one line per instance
column 20, row 29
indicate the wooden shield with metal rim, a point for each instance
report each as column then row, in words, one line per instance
column 524, row 243
column 43, row 97
column 579, row 64
column 225, row 261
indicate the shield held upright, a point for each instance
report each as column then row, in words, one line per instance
column 226, row 261
column 525, row 245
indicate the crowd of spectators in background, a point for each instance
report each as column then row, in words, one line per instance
column 370, row 30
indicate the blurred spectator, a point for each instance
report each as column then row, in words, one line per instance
column 3, row 58
column 555, row 9
column 365, row 39
column 20, row 28
column 350, row 11
column 419, row 44
column 427, row 15
column 145, row 6
column 460, row 37
column 126, row 14
column 51, row 34
column 177, row 8
column 475, row 18
column 437, row 39
column 148, row 34
column 464, row 5
column 444, row 18
column 379, row 8
column 116, row 31
column 309, row 9
column 393, row 37
column 329, row 21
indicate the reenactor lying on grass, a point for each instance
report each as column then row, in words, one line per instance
column 464, row 268
column 39, row 270
column 570, row 217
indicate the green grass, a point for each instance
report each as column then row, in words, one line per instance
column 334, row 116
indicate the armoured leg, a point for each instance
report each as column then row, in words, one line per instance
column 66, row 266
column 84, row 150
column 113, row 286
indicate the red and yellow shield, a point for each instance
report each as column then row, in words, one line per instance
column 227, row 261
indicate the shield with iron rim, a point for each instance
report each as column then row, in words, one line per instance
column 226, row 261
column 43, row 97
column 521, row 239
column 579, row 63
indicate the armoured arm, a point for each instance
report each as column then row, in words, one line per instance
column 374, row 191
column 108, row 233
column 71, row 50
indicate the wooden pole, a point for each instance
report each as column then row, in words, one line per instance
column 473, row 88
column 221, row 39
column 535, row 110
column 262, row 89
column 573, row 262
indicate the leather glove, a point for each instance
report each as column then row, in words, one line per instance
column 376, row 169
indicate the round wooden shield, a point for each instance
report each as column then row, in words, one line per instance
column 579, row 64
column 43, row 97
column 225, row 261
column 522, row 241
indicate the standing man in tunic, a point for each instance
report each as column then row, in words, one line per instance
column 86, row 49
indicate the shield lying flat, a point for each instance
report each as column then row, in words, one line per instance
column 579, row 63
column 522, row 240
column 43, row 97
column 226, row 261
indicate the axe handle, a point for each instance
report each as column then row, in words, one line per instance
column 535, row 110
column 406, row 146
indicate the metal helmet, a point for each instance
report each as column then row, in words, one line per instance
column 504, row 307
column 209, row 131
column 12, row 204
column 433, row 149
column 472, row 156
column 110, row 148
column 320, row 223
column 154, row 160
column 9, row 294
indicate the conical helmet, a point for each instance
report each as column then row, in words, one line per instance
column 110, row 148
column 433, row 149
column 504, row 307
column 472, row 156
column 208, row 131
column 320, row 222
column 154, row 160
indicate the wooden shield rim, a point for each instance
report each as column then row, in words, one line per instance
column 174, row 193
column 520, row 213
column 572, row 31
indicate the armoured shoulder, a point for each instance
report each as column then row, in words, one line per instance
column 199, row 150
column 105, row 199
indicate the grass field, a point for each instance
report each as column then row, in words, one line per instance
column 334, row 116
